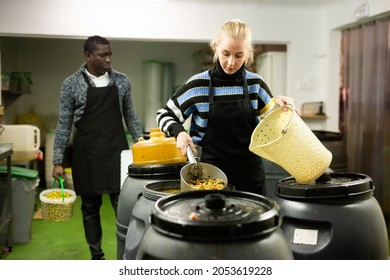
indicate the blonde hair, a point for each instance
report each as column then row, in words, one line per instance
column 238, row 29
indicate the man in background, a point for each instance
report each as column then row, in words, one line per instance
column 95, row 99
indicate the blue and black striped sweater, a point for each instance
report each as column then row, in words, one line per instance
column 192, row 99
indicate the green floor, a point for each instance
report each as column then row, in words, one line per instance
column 65, row 240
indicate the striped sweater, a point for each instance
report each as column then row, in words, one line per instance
column 192, row 99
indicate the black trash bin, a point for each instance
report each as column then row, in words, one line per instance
column 140, row 216
column 335, row 143
column 336, row 217
column 132, row 188
column 152, row 160
column 273, row 173
column 201, row 225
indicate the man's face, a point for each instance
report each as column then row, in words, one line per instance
column 99, row 61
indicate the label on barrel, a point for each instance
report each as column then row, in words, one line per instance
column 305, row 236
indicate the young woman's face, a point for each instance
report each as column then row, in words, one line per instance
column 231, row 54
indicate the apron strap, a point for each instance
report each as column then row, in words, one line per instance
column 86, row 79
column 211, row 90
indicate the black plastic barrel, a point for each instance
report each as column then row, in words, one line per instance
column 273, row 173
column 335, row 143
column 336, row 217
column 132, row 188
column 140, row 217
column 201, row 225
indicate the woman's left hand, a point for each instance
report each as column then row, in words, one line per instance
column 283, row 101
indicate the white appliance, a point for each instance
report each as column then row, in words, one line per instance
column 272, row 67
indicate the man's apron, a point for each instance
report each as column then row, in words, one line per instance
column 99, row 140
column 226, row 142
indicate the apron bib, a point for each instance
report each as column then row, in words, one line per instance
column 226, row 142
column 99, row 140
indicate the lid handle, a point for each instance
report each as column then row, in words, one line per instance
column 324, row 178
column 215, row 201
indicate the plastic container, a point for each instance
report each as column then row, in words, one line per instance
column 209, row 225
column 69, row 178
column 5, row 79
column 24, row 184
column 49, row 157
column 25, row 138
column 335, row 143
column 1, row 114
column 140, row 216
column 137, row 177
column 57, row 209
column 283, row 137
column 21, row 81
column 159, row 149
column 152, row 71
column 273, row 173
column 337, row 217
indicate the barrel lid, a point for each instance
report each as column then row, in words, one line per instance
column 157, row 170
column 215, row 215
column 328, row 135
column 155, row 190
column 20, row 172
column 329, row 185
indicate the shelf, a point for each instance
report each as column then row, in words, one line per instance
column 6, row 151
column 314, row 117
column 10, row 96
column 17, row 93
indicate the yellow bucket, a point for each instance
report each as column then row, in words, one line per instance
column 57, row 209
column 283, row 138
column 57, row 203
column 159, row 149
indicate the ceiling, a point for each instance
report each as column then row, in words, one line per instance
column 298, row 2
column 284, row 2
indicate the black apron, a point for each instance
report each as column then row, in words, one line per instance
column 98, row 143
column 226, row 142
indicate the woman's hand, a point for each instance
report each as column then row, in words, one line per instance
column 183, row 139
column 283, row 101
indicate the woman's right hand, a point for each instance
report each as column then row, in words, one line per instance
column 183, row 139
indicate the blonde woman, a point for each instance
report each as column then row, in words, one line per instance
column 225, row 103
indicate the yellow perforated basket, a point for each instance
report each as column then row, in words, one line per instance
column 283, row 138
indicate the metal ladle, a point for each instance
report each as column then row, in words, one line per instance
column 198, row 171
column 195, row 171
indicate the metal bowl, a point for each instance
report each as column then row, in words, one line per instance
column 208, row 172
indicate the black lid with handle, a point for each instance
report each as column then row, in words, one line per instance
column 330, row 185
column 215, row 215
column 156, row 171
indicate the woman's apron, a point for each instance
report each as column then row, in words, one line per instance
column 99, row 140
column 226, row 142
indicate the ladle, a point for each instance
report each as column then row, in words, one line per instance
column 195, row 171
